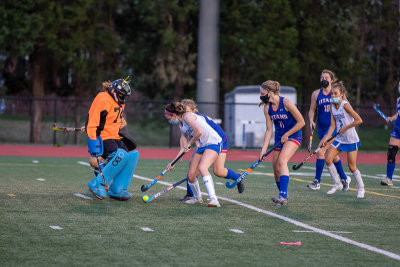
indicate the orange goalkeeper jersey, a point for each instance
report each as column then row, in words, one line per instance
column 104, row 117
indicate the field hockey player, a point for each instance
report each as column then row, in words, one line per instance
column 219, row 165
column 288, row 123
column 103, row 126
column 321, row 100
column 344, row 118
column 194, row 128
column 394, row 143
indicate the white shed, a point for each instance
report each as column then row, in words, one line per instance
column 244, row 121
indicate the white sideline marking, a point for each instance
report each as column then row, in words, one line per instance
column 307, row 231
column 310, row 168
column 237, row 231
column 55, row 227
column 41, row 179
column 311, row 174
column 84, row 163
column 300, row 224
column 147, row 229
column 35, row 161
column 82, row 196
column 219, row 183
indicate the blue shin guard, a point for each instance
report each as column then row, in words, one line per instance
column 119, row 188
column 116, row 164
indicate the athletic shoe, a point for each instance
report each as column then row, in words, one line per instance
column 315, row 185
column 334, row 188
column 122, row 196
column 98, row 191
column 360, row 193
column 214, row 203
column 387, row 181
column 346, row 183
column 194, row 200
column 186, row 197
column 240, row 187
column 279, row 201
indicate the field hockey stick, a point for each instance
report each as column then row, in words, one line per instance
column 162, row 192
column 384, row 116
column 66, row 129
column 296, row 167
column 144, row 188
column 249, row 170
column 311, row 138
column 101, row 173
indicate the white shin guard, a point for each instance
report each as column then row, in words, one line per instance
column 334, row 174
column 209, row 184
column 359, row 181
column 195, row 188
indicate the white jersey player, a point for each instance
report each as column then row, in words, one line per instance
column 344, row 119
column 194, row 129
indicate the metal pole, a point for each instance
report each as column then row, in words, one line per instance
column 208, row 57
column 55, row 121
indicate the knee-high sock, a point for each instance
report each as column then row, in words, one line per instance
column 232, row 175
column 340, row 170
column 390, row 170
column 359, row 181
column 189, row 189
column 122, row 181
column 278, row 184
column 195, row 188
column 335, row 176
column 319, row 168
column 284, row 183
column 209, row 184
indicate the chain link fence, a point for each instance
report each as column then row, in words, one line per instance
column 145, row 120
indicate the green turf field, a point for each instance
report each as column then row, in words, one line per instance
column 333, row 230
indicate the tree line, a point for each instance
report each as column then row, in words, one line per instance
column 67, row 48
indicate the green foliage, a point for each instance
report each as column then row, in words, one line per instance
column 258, row 42
column 159, row 45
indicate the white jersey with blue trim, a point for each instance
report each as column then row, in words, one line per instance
column 342, row 119
column 208, row 137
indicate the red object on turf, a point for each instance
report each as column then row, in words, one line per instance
column 291, row 243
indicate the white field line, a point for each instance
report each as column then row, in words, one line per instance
column 300, row 224
column 308, row 231
column 312, row 174
column 84, row 163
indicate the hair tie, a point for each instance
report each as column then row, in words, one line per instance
column 167, row 112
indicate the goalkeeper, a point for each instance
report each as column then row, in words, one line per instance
column 103, row 130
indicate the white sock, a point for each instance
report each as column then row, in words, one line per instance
column 209, row 184
column 195, row 189
column 334, row 174
column 359, row 181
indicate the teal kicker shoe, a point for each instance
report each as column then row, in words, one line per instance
column 122, row 196
column 98, row 191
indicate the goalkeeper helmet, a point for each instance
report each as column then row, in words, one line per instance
column 121, row 91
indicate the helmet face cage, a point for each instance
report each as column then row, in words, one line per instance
column 122, row 90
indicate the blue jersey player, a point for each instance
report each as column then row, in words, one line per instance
column 219, row 168
column 288, row 123
column 394, row 144
column 321, row 100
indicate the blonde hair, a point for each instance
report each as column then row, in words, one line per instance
column 331, row 74
column 341, row 87
column 176, row 108
column 272, row 86
column 107, row 85
column 191, row 104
